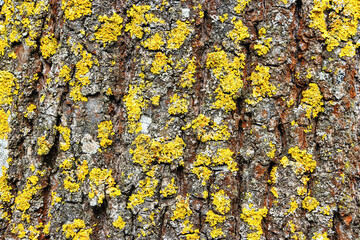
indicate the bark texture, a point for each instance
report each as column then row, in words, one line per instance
column 209, row 119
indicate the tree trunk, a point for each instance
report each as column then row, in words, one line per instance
column 179, row 119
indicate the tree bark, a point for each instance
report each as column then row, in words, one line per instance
column 179, row 119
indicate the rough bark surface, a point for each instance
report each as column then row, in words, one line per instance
column 209, row 119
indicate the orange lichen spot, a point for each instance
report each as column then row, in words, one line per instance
column 253, row 218
column 110, row 29
column 182, row 208
column 74, row 9
column 241, row 4
column 312, row 101
column 178, row 105
column 160, row 63
column 76, row 230
column 119, row 223
column 43, row 146
column 153, row 43
column 134, row 103
column 65, row 133
column 262, row 87
column 239, row 33
column 304, row 161
column 310, row 203
column 178, row 35
column 49, row 46
column 136, row 13
column 221, row 202
column 187, row 78
column 4, row 124
column 169, row 189
column 105, row 130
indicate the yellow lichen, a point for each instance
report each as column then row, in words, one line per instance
column 182, row 209
column 49, row 46
column 203, row 173
column 65, row 73
column 254, row 218
column 263, row 46
column 213, row 218
column 22, row 200
column 147, row 189
column 110, row 29
column 104, row 132
column 169, row 189
column 293, row 207
column 30, row 109
column 154, row 42
column 312, row 101
column 43, row 146
column 274, row 192
column 102, row 178
column 5, row 189
column 134, row 103
column 284, row 161
column 221, row 202
column 178, row 105
column 119, row 223
column 310, row 203
column 70, row 185
column 305, row 162
column 241, row 4
column 4, row 125
column 273, row 177
column 224, row 156
column 65, row 133
column 75, row 9
column 240, row 32
column 136, row 13
column 187, row 78
column 160, row 63
column 155, row 100
column 7, row 84
column 76, row 230
column 178, row 35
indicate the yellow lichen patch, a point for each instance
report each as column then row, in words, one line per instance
column 65, row 73
column 155, row 100
column 213, row 218
column 82, row 171
column 271, row 154
column 43, row 146
column 262, row 87
column 320, row 236
column 49, row 46
column 263, row 46
column 3, row 45
column 178, row 35
column 187, row 78
column 104, row 132
column 178, row 105
column 55, row 198
column 147, row 189
column 293, row 206
column 30, row 109
column 254, row 218
column 301, row 191
column 310, row 203
column 136, row 13
column 312, row 101
column 102, row 179
column 65, row 133
column 7, row 83
column 4, row 125
column 201, row 126
column 241, row 4
column 240, row 32
column 169, row 189
column 339, row 25
column 221, row 202
column 22, row 200
column 75, row 9
column 274, row 192
column 190, row 233
column 119, row 223
column 224, row 156
column 71, row 185
column 284, row 161
column 76, row 230
column 5, row 189
column 148, row 150
column 134, row 103
column 229, row 74
column 273, row 177
column 216, row 232
column 349, row 50
column 160, row 63
column 154, row 42
column 203, row 173
column 182, row 209
column 110, row 29
column 19, row 230
column 305, row 162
